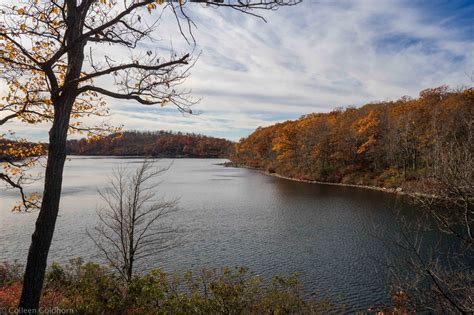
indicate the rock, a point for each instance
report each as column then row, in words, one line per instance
column 399, row 189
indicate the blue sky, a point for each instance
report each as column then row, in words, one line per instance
column 309, row 58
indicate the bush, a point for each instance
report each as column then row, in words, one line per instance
column 392, row 178
column 10, row 295
column 10, row 273
column 89, row 288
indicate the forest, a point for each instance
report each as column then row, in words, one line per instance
column 152, row 143
column 385, row 144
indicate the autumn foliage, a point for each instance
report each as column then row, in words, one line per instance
column 16, row 156
column 158, row 144
column 387, row 144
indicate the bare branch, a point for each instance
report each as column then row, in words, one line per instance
column 131, row 225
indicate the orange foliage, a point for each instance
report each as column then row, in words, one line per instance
column 382, row 144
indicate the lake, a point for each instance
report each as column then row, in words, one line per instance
column 234, row 217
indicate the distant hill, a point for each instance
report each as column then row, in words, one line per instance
column 156, row 143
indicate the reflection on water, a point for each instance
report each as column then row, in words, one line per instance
column 235, row 217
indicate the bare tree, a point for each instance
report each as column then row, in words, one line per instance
column 131, row 225
column 435, row 271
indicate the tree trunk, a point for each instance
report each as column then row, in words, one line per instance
column 130, row 268
column 45, row 224
column 46, row 221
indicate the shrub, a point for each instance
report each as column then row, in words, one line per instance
column 89, row 288
column 10, row 295
column 391, row 178
column 10, row 273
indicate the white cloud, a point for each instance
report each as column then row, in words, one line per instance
column 312, row 57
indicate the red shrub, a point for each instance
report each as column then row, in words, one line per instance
column 10, row 295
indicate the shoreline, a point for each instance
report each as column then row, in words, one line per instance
column 382, row 189
column 397, row 191
column 144, row 157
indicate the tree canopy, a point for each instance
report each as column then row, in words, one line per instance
column 380, row 144
column 155, row 144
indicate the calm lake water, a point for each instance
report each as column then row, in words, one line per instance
column 235, row 217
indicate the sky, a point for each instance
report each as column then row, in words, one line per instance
column 312, row 57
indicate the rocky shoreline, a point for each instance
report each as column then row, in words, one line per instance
column 398, row 190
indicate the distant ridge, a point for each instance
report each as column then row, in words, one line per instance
column 153, row 143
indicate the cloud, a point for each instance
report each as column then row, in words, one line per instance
column 309, row 58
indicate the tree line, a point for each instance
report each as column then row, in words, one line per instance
column 152, row 143
column 389, row 144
